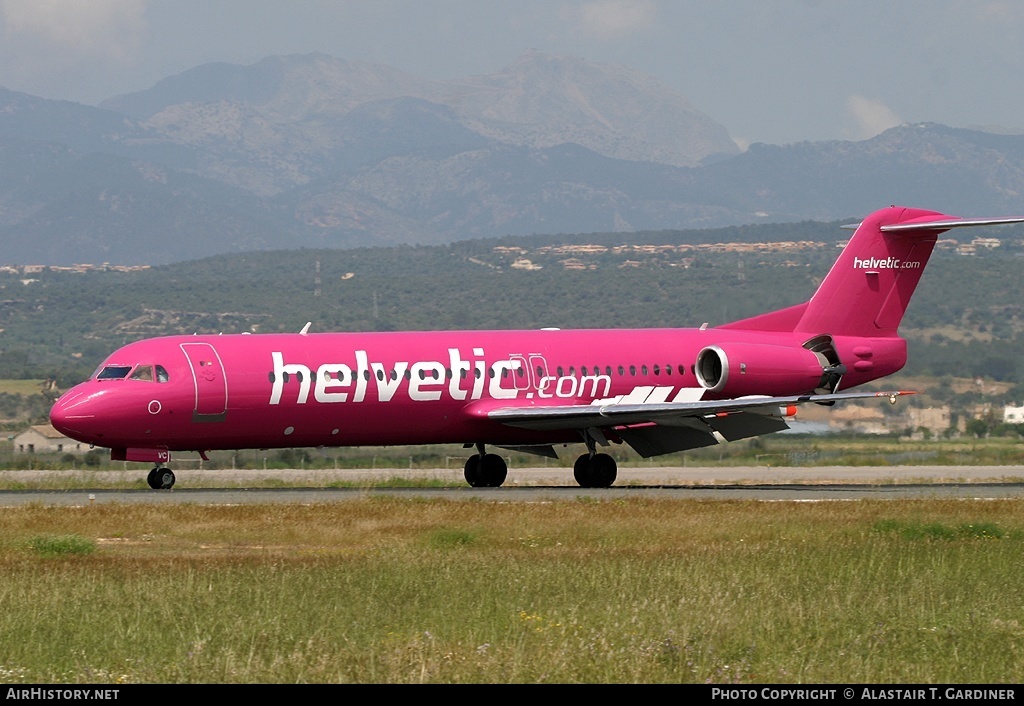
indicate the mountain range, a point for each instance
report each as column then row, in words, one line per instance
column 316, row 151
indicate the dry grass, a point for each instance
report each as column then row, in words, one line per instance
column 639, row 590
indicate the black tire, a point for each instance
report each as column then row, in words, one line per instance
column 493, row 470
column 472, row 471
column 165, row 478
column 581, row 471
column 603, row 471
column 152, row 480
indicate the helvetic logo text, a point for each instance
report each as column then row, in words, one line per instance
column 889, row 263
column 428, row 380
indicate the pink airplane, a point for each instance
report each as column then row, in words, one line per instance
column 658, row 390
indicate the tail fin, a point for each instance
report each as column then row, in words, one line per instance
column 868, row 289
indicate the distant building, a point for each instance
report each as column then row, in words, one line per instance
column 937, row 420
column 43, row 438
column 860, row 419
column 1013, row 415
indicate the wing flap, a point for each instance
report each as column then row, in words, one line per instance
column 653, row 429
column 668, row 413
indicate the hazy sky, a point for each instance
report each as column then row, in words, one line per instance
column 776, row 71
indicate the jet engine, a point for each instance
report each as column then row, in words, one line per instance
column 738, row 369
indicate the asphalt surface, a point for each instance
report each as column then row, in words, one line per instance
column 81, row 488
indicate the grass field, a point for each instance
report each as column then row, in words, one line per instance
column 406, row 591
column 20, row 387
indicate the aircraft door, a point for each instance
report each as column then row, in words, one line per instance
column 211, row 384
column 528, row 371
column 538, row 370
column 520, row 372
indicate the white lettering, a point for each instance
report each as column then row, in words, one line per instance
column 427, row 380
column 495, row 389
column 542, row 387
column 330, row 375
column 426, row 374
column 479, row 373
column 280, row 371
column 889, row 263
column 594, row 381
column 458, row 366
column 361, row 374
column 562, row 391
column 387, row 384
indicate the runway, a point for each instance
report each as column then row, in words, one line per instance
column 231, row 487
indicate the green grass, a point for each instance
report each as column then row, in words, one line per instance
column 21, row 387
column 61, row 545
column 381, row 590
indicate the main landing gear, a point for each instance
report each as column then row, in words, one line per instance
column 160, row 478
column 591, row 470
column 595, row 470
column 484, row 470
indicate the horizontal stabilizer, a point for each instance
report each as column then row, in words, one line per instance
column 930, row 224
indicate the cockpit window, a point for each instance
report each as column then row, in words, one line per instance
column 114, row 372
column 147, row 373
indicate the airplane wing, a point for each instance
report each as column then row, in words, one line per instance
column 659, row 428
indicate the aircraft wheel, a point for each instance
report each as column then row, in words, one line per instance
column 603, row 470
column 164, row 478
column 151, row 479
column 597, row 471
column 493, row 470
column 472, row 471
column 581, row 471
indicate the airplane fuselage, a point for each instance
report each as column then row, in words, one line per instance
column 201, row 393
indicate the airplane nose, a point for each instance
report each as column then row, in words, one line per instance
column 71, row 417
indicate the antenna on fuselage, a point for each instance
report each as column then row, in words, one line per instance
column 305, row 329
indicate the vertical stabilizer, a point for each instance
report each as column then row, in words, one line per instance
column 868, row 289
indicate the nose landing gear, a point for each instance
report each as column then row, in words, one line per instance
column 160, row 478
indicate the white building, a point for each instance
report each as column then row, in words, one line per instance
column 1013, row 415
column 42, row 438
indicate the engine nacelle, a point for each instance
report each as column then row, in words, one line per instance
column 738, row 369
